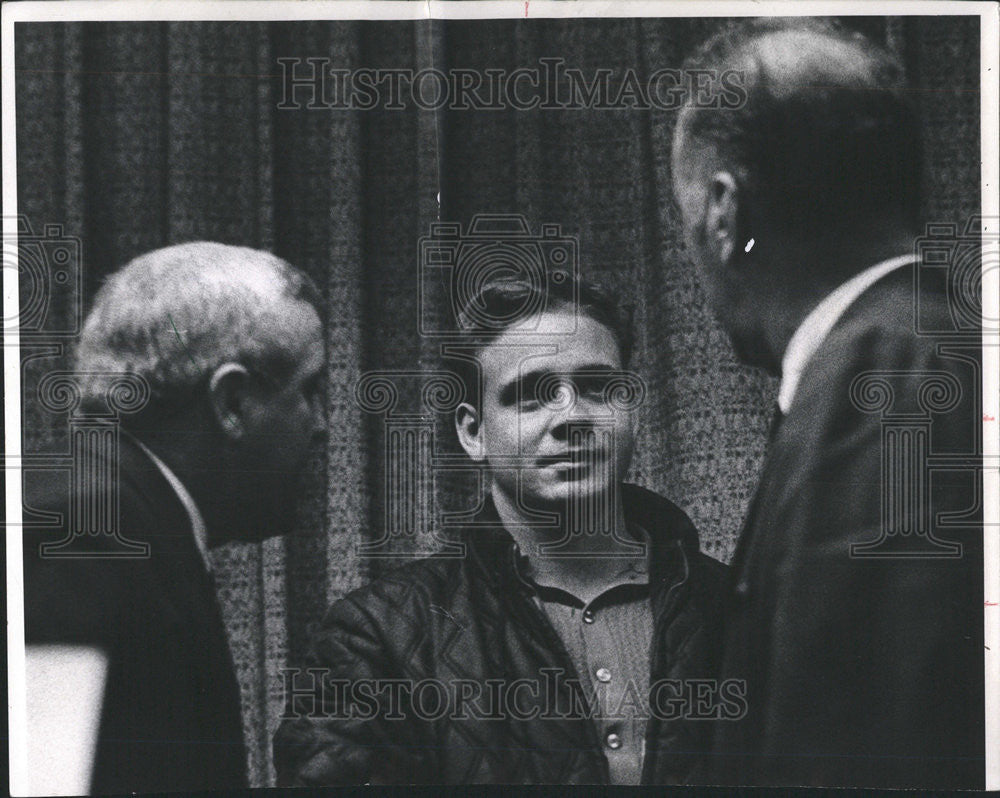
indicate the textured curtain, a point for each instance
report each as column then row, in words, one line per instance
column 135, row 136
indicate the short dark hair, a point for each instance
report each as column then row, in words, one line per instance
column 828, row 134
column 502, row 303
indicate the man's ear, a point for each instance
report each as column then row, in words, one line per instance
column 722, row 215
column 227, row 395
column 468, row 428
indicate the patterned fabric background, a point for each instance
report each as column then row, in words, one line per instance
column 135, row 136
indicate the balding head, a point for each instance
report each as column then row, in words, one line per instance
column 828, row 138
column 814, row 178
column 172, row 315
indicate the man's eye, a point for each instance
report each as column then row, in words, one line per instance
column 529, row 393
column 591, row 387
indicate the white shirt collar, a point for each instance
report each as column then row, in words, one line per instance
column 818, row 323
column 197, row 521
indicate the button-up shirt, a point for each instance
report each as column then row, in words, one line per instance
column 608, row 640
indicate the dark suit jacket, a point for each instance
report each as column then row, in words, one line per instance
column 171, row 717
column 861, row 671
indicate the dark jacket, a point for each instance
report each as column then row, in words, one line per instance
column 469, row 620
column 171, row 717
column 866, row 670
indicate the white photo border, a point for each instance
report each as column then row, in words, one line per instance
column 290, row 10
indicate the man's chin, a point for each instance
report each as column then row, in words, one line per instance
column 569, row 491
column 267, row 514
column 261, row 527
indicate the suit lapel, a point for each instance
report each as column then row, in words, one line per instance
column 175, row 562
column 738, row 563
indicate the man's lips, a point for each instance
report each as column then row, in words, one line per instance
column 567, row 459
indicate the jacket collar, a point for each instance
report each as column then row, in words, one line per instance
column 672, row 536
column 166, row 524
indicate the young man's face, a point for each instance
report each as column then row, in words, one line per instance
column 545, row 420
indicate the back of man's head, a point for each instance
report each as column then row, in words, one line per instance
column 173, row 315
column 828, row 139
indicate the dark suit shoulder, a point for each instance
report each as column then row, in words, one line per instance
column 78, row 588
column 875, row 346
column 896, row 308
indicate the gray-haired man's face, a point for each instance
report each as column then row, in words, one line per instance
column 285, row 419
column 705, row 194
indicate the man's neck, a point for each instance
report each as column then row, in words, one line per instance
column 198, row 528
column 585, row 564
column 793, row 301
column 183, row 455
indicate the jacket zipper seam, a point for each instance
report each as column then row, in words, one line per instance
column 553, row 638
column 655, row 657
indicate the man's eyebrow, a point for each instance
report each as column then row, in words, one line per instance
column 526, row 380
column 518, row 384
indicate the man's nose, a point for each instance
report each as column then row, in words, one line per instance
column 559, row 427
column 578, row 415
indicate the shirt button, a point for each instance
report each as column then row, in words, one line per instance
column 613, row 741
column 588, row 616
column 603, row 675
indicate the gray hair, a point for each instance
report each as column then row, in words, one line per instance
column 173, row 315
